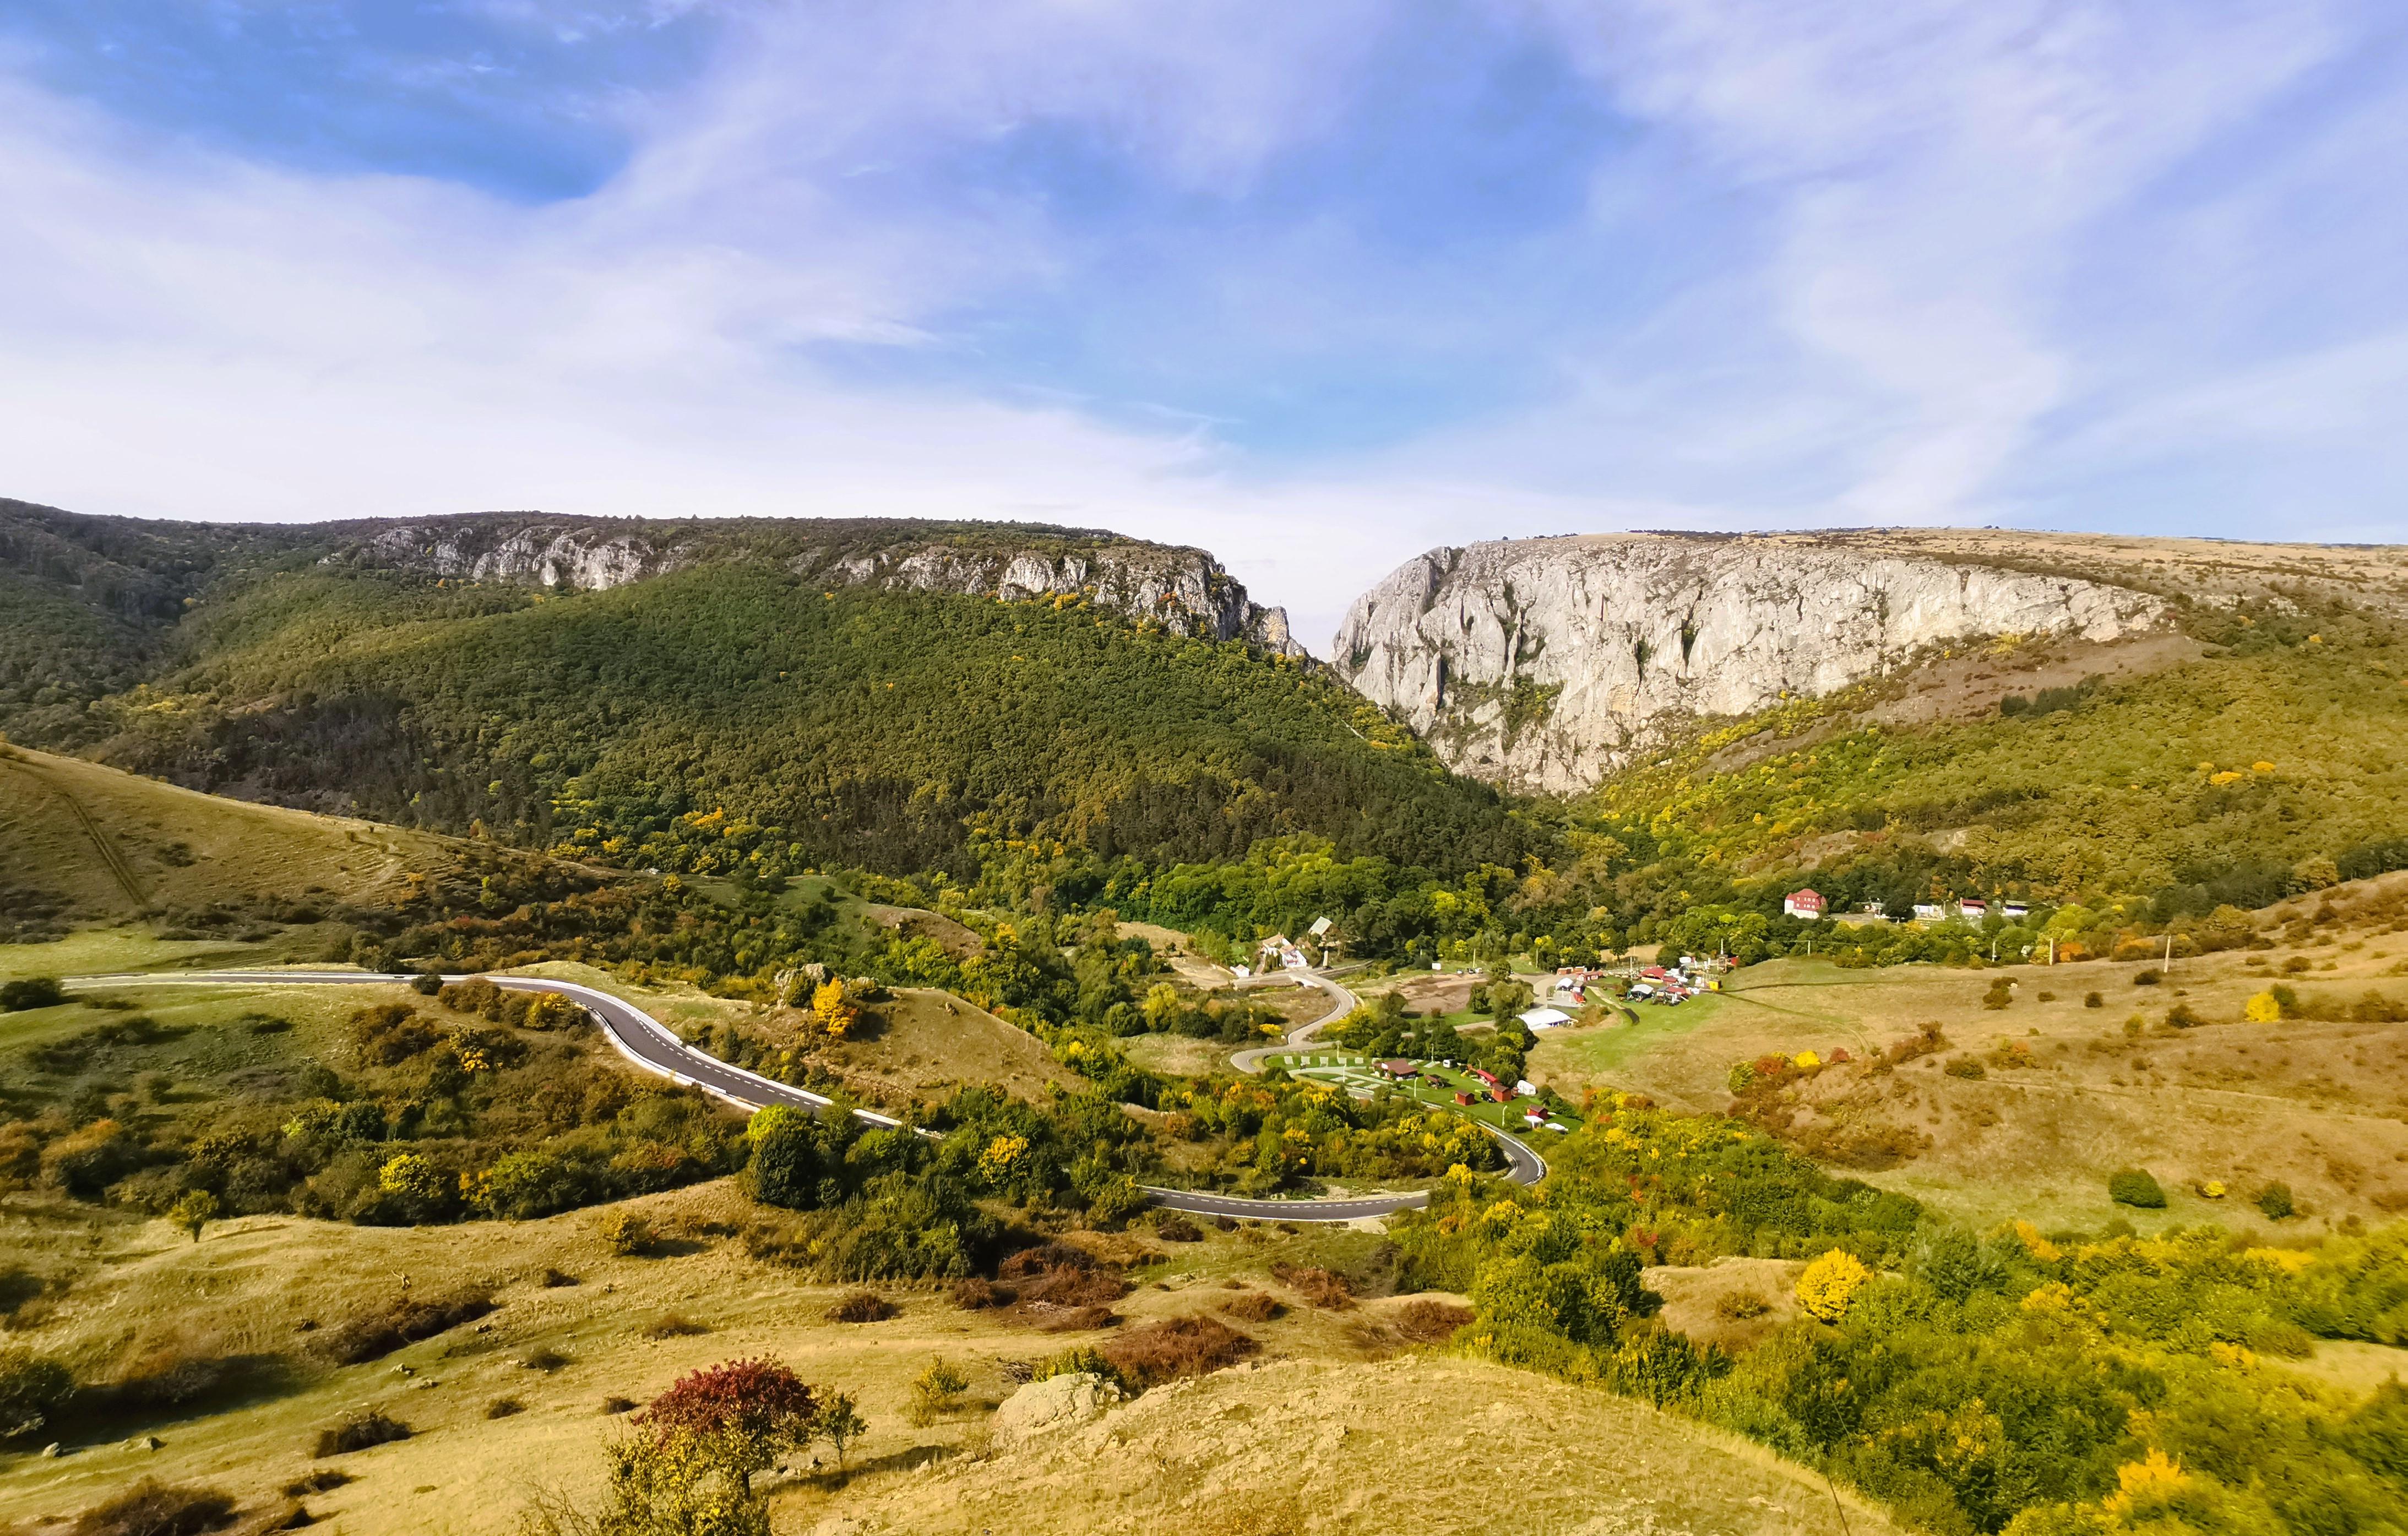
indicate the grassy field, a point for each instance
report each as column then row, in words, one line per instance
column 115, row 846
column 2322, row 1107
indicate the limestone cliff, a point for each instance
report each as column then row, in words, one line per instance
column 1544, row 663
column 1184, row 589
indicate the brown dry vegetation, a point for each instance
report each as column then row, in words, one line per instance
column 1194, row 1346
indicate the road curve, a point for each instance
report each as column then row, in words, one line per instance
column 1341, row 1003
column 655, row 1048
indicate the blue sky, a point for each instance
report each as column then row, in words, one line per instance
column 1316, row 287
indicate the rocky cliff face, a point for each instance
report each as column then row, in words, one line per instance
column 1184, row 589
column 1544, row 663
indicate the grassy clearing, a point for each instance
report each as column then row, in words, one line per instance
column 116, row 845
column 2320, row 1106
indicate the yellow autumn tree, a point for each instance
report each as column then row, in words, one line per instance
column 2262, row 1008
column 831, row 1010
column 1830, row 1284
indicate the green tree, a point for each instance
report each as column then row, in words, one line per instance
column 838, row 1423
column 194, row 1211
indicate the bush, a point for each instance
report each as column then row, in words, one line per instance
column 863, row 1306
column 2183, row 1017
column 358, row 1432
column 547, row 1361
column 2093, row 1000
column 504, row 1408
column 2137, row 1188
column 976, row 1295
column 1424, row 1320
column 674, row 1325
column 152, row 1508
column 1254, row 1306
column 1195, row 1346
column 372, row 1335
column 1740, row 1305
column 1318, row 1287
column 32, row 1388
column 552, row 1279
column 1059, row 1275
column 1966, row 1066
column 626, row 1233
column 2275, row 1202
column 1171, row 1228
column 618, row 1405
column 1829, row 1283
column 324, row 1480
column 936, row 1391
column 31, row 992
column 2147, row 976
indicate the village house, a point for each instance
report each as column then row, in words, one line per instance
column 2015, row 911
column 1807, row 904
column 1929, row 912
column 1972, row 909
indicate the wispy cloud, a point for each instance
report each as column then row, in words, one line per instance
column 1312, row 285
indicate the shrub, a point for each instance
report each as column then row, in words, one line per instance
column 152, row 1508
column 1194, row 1346
column 2001, row 992
column 626, row 1233
column 372, row 1335
column 1318, row 1287
column 1171, row 1228
column 1058, row 1274
column 552, row 1279
column 2183, row 1017
column 976, row 1295
column 618, row 1405
column 2093, row 1000
column 1254, row 1306
column 747, row 1412
column 546, row 1360
column 2147, row 976
column 1740, row 1305
column 1425, row 1320
column 936, row 1391
column 1078, row 1360
column 674, row 1325
column 2275, row 1202
column 2262, row 1008
column 1829, row 1283
column 862, row 1306
column 504, row 1408
column 1966, row 1066
column 358, row 1432
column 31, row 992
column 32, row 1388
column 323, row 1480
column 2137, row 1188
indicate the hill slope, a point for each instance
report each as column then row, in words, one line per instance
column 843, row 693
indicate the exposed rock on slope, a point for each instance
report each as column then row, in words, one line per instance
column 1184, row 589
column 1546, row 662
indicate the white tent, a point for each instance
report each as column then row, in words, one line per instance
column 1545, row 1018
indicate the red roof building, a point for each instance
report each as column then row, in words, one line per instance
column 1805, row 903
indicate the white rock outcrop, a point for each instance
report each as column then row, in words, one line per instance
column 1053, row 1405
column 1185, row 591
column 1545, row 663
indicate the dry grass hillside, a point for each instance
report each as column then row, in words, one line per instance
column 1416, row 1444
column 2067, row 1092
column 89, row 845
column 1323, row 1436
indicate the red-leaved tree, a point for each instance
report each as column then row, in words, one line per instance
column 743, row 1415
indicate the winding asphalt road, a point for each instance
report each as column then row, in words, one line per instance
column 655, row 1048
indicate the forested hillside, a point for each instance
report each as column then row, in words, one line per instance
column 733, row 716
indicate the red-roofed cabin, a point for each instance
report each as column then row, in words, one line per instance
column 1399, row 1070
column 1502, row 1095
column 1805, row 903
column 1463, row 1098
column 1489, row 1078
